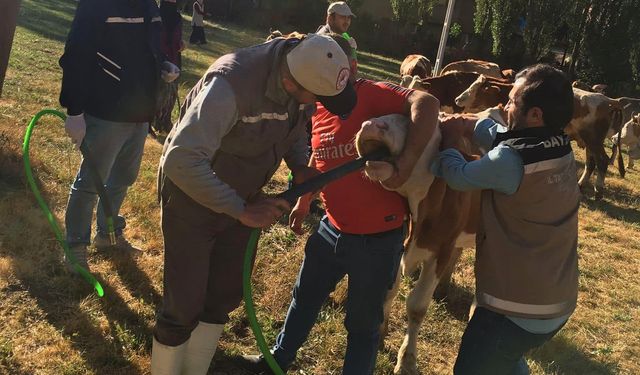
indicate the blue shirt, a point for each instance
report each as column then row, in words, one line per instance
column 500, row 169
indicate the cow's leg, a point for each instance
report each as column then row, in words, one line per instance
column 589, row 166
column 601, row 161
column 621, row 164
column 417, row 304
column 388, row 303
column 614, row 149
column 630, row 164
column 442, row 290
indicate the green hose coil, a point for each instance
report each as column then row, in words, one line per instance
column 43, row 205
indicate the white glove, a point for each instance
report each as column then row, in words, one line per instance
column 76, row 128
column 352, row 43
column 169, row 72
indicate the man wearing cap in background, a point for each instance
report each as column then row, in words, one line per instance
column 244, row 116
column 339, row 17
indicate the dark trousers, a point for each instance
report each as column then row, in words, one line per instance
column 203, row 259
column 197, row 35
column 371, row 261
column 494, row 345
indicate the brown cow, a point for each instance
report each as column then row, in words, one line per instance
column 595, row 117
column 484, row 93
column 487, row 68
column 443, row 220
column 416, row 65
column 580, row 85
column 446, row 88
column 600, row 88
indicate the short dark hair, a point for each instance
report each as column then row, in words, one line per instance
column 550, row 90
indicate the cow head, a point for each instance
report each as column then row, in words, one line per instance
column 416, row 65
column 469, row 99
column 387, row 132
column 415, row 83
column 468, row 96
column 419, row 84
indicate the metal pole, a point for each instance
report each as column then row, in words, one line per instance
column 443, row 37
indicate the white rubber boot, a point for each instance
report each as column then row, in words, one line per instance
column 202, row 346
column 167, row 360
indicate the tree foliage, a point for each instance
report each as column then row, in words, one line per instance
column 603, row 34
column 411, row 11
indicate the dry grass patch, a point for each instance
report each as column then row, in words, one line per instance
column 53, row 323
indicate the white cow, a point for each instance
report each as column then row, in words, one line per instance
column 443, row 221
column 630, row 137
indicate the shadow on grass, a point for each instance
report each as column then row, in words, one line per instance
column 63, row 298
column 136, row 281
column 561, row 356
column 618, row 204
column 457, row 301
column 50, row 19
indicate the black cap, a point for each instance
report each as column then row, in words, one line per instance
column 341, row 104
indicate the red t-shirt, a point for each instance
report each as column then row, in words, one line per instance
column 354, row 203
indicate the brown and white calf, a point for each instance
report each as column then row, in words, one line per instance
column 484, row 93
column 416, row 65
column 595, row 117
column 443, row 221
column 487, row 68
column 447, row 88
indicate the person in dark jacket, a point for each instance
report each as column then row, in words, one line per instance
column 172, row 46
column 171, row 35
column 111, row 64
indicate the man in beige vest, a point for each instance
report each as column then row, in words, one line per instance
column 246, row 114
column 526, row 259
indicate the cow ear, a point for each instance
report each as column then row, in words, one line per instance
column 492, row 89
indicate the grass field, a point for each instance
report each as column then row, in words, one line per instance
column 53, row 324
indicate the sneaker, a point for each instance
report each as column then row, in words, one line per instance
column 80, row 253
column 103, row 243
column 256, row 364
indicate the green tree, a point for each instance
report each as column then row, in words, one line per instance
column 411, row 12
column 603, row 36
column 609, row 49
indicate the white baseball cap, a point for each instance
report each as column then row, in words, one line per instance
column 320, row 66
column 341, row 8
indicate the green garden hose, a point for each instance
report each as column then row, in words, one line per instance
column 43, row 205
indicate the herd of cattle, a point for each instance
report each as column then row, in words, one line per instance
column 443, row 220
column 474, row 85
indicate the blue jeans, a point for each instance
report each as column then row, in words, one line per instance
column 117, row 149
column 494, row 345
column 371, row 261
